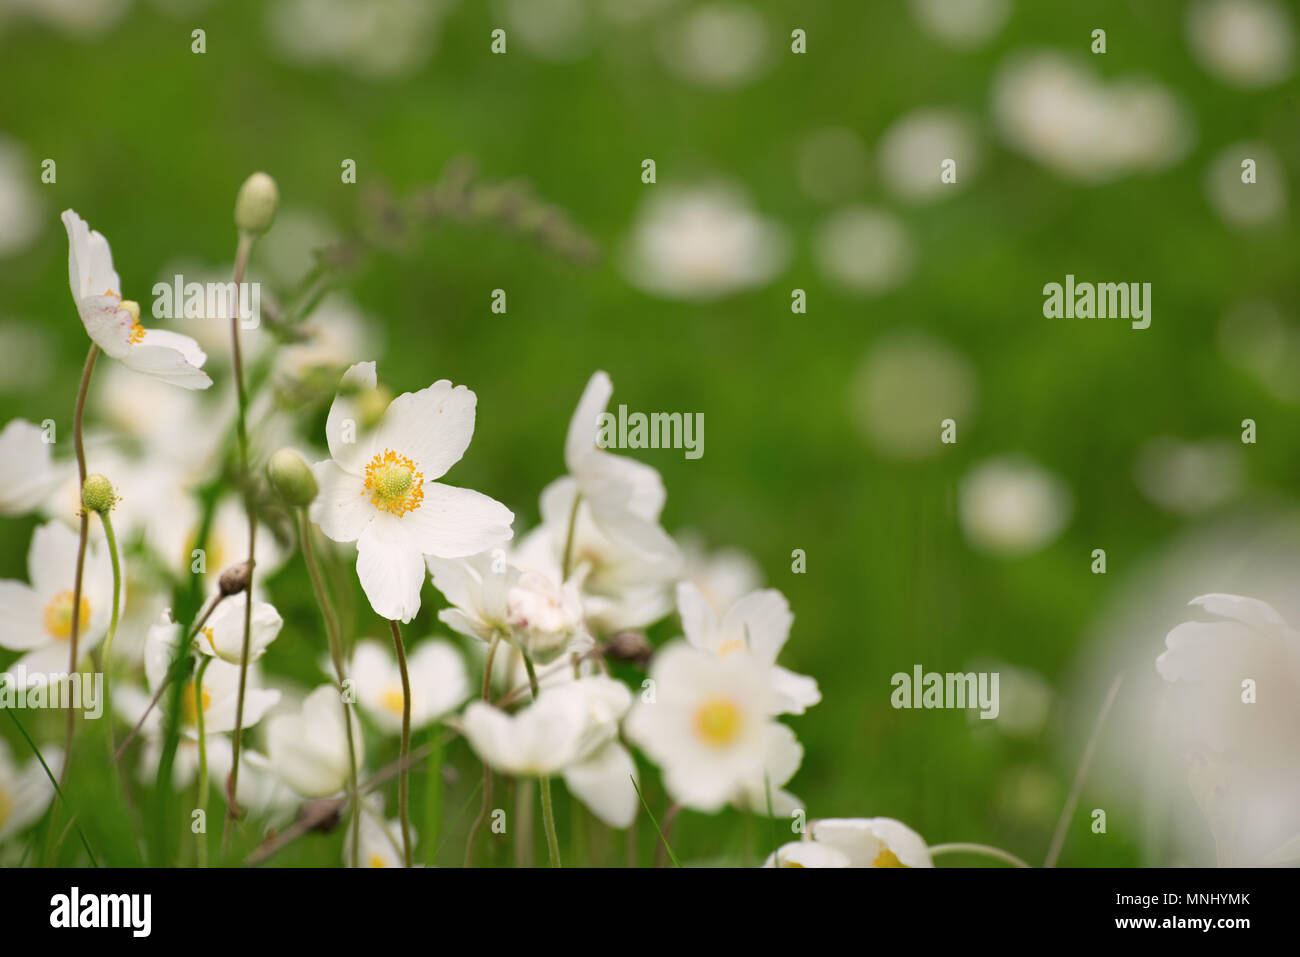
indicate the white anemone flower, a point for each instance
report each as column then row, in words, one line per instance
column 25, row 791
column 601, row 774
column 309, row 749
column 28, row 475
column 537, row 741
column 379, row 845
column 113, row 323
column 722, row 576
column 855, row 842
column 223, row 636
column 36, row 618
column 757, row 625
column 220, row 690
column 378, row 489
column 439, row 683
column 477, row 588
column 1237, row 694
column 708, row 725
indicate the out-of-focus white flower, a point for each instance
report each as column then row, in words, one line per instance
column 633, row 11
column 554, row 30
column 220, row 691
column 1256, row 337
column 1247, row 205
column 84, row 19
column 379, row 845
column 709, row 727
column 28, row 475
column 961, row 23
column 172, row 529
column 757, row 626
column 720, row 45
column 36, row 618
column 856, row 842
column 379, row 489
column 1061, row 114
column 223, row 636
column 1189, row 477
column 477, row 591
column 113, row 323
column 25, row 791
column 309, row 749
column 864, row 251
column 1011, row 506
column 20, row 205
column 537, row 741
column 1244, row 43
column 831, row 164
column 380, row 39
column 723, row 576
column 602, row 771
column 439, row 683
column 545, row 617
column 904, row 389
column 1237, row 691
column 915, row 147
column 702, row 243
column 335, row 331
column 159, row 419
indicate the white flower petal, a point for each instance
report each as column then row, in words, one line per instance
column 457, row 522
column 433, row 426
column 391, row 569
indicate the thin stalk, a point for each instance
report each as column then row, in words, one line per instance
column 984, row 850
column 1067, row 812
column 203, row 759
column 433, row 797
column 568, row 541
column 237, row 363
column 111, row 539
column 53, row 781
column 335, row 639
column 404, row 778
column 486, row 809
column 544, row 783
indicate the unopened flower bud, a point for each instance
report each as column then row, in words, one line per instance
column 256, row 204
column 630, row 646
column 97, row 493
column 291, row 478
column 235, row 579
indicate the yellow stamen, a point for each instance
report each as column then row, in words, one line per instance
column 377, row 861
column 207, row 633
column 58, row 616
column 718, row 722
column 395, row 483
column 189, row 713
column 137, row 330
column 887, row 858
column 393, row 701
column 735, row 644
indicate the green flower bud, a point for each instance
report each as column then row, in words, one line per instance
column 291, row 478
column 256, row 204
column 97, row 493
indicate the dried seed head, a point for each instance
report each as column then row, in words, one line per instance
column 235, row 578
column 630, row 646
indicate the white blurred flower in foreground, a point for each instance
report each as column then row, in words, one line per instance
column 25, row 791
column 757, row 625
column 379, row 844
column 1237, row 693
column 36, row 618
column 709, row 727
column 28, row 475
column 722, row 576
column 1189, row 477
column 379, row 489
column 722, row 45
column 439, row 683
column 20, row 206
column 963, row 24
column 379, row 39
column 1063, row 115
column 1245, row 205
column 855, row 842
column 601, row 773
column 865, row 251
column 113, row 323
column 915, row 147
column 309, row 749
column 536, row 741
column 702, row 243
column 555, row 30
column 1011, row 506
column 1244, row 43
column 905, row 387
column 223, row 636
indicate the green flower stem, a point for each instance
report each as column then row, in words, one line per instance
column 404, row 777
column 242, row 253
column 335, row 639
column 203, row 759
column 486, row 809
column 111, row 539
column 984, row 850
column 568, row 541
column 544, row 785
column 433, row 797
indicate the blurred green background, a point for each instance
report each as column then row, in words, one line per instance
column 152, row 141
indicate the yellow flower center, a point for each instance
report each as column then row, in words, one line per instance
column 189, row 713
column 58, row 616
column 717, row 722
column 137, row 330
column 887, row 858
column 727, row 647
column 377, row 861
column 392, row 700
column 394, row 482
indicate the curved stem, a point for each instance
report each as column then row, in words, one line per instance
column 404, row 779
column 203, row 759
column 548, row 812
column 568, row 541
column 335, row 639
column 111, row 539
column 237, row 363
column 486, row 809
column 984, row 850
column 1071, row 802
